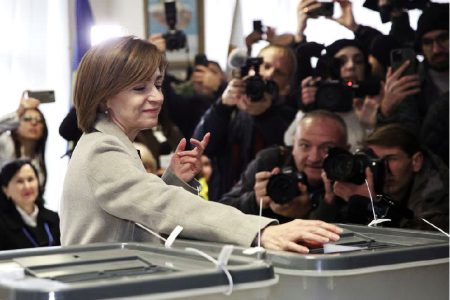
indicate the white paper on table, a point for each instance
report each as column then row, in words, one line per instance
column 333, row 248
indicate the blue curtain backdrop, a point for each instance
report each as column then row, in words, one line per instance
column 84, row 22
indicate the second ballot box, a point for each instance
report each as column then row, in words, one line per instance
column 366, row 263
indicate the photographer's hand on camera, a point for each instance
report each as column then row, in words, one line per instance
column 260, row 188
column 256, row 108
column 345, row 190
column 309, row 90
column 234, row 95
column 328, row 197
column 234, row 92
column 397, row 88
column 299, row 207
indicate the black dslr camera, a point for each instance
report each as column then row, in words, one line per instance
column 282, row 187
column 341, row 165
column 175, row 39
column 385, row 10
column 255, row 86
column 337, row 95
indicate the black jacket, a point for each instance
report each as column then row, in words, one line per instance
column 242, row 195
column 236, row 137
column 13, row 228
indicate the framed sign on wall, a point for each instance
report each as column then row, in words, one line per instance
column 189, row 22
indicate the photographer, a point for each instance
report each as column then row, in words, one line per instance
column 414, row 183
column 425, row 104
column 316, row 133
column 241, row 126
column 342, row 69
column 195, row 95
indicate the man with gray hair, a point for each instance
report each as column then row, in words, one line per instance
column 287, row 183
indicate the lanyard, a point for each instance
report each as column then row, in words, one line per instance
column 33, row 241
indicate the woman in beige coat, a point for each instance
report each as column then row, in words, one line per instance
column 107, row 190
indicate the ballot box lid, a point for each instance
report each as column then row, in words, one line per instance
column 359, row 247
column 119, row 270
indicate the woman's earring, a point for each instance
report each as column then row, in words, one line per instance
column 106, row 112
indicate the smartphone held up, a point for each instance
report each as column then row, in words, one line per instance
column 44, row 96
column 400, row 56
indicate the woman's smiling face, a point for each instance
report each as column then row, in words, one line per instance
column 23, row 188
column 137, row 107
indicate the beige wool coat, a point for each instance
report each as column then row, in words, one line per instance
column 107, row 190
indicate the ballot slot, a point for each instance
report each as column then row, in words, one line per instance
column 357, row 242
column 78, row 267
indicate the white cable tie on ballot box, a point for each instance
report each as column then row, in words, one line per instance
column 170, row 239
column 221, row 263
column 375, row 221
column 258, row 249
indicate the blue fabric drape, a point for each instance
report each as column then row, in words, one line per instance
column 84, row 21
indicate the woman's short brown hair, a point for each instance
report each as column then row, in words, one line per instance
column 109, row 68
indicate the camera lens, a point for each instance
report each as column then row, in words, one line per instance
column 282, row 188
column 341, row 165
column 254, row 88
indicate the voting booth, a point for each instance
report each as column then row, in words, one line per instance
column 366, row 263
column 128, row 271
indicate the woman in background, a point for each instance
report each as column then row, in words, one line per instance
column 24, row 221
column 23, row 134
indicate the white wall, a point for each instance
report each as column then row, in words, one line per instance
column 129, row 14
column 34, row 55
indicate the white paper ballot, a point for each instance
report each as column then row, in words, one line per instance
column 333, row 248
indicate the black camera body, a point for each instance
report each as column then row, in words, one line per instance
column 385, row 10
column 258, row 26
column 341, row 165
column 175, row 39
column 255, row 85
column 337, row 95
column 283, row 187
column 326, row 9
column 201, row 60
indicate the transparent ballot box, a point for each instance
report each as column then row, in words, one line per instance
column 129, row 271
column 366, row 263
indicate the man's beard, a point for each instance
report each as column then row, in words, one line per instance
column 441, row 65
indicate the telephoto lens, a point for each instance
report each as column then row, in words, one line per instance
column 283, row 187
column 341, row 165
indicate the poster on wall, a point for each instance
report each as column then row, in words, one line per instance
column 181, row 23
